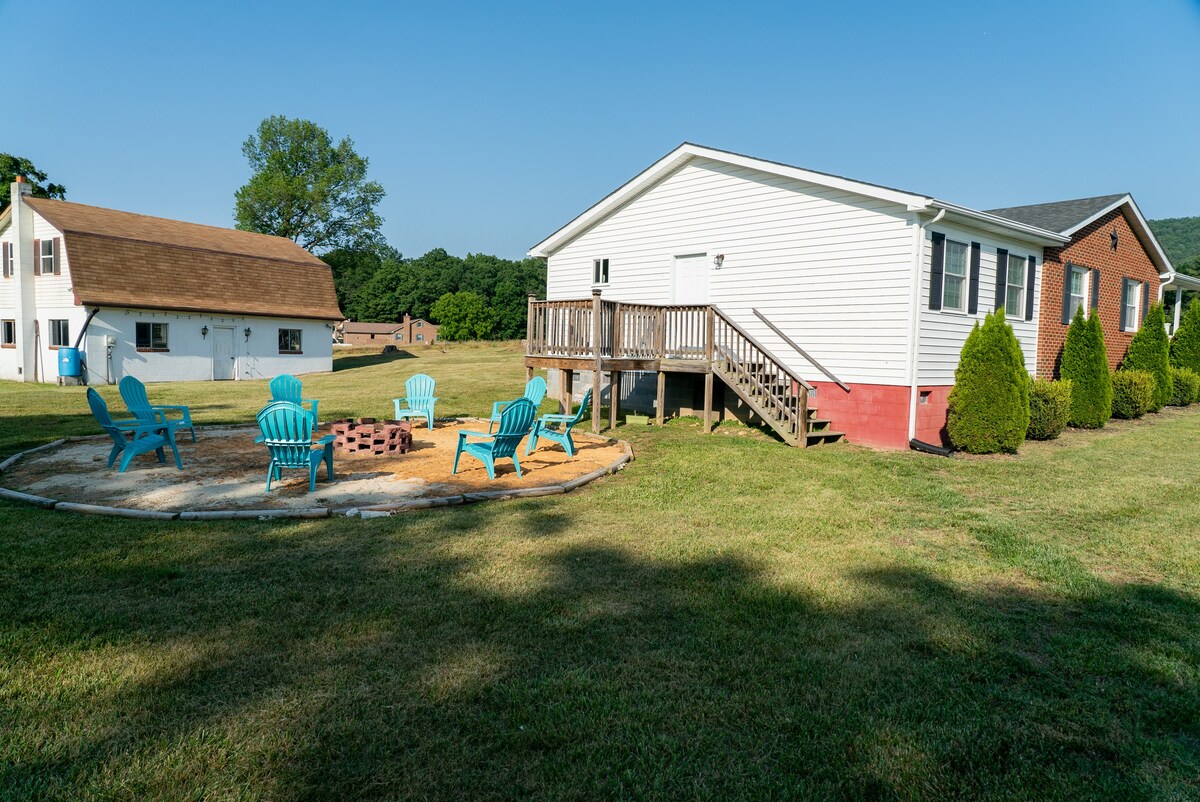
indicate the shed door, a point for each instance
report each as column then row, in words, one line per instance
column 689, row 283
column 223, row 356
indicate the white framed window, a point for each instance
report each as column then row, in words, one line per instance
column 47, row 257
column 420, row 338
column 1079, row 289
column 1131, row 301
column 1014, row 299
column 419, row 324
column 8, row 333
column 60, row 334
column 151, row 336
column 954, row 277
column 599, row 271
column 289, row 341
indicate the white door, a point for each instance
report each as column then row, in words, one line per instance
column 689, row 283
column 223, row 354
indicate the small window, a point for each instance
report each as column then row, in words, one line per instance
column 954, row 277
column 7, row 258
column 1131, row 300
column 151, row 336
column 419, row 324
column 60, row 334
column 420, row 338
column 1014, row 301
column 9, row 333
column 600, row 271
column 47, row 257
column 289, row 341
column 1079, row 287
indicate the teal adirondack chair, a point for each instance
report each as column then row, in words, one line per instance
column 563, row 437
column 288, row 388
column 535, row 391
column 133, row 393
column 515, row 421
column 287, row 431
column 145, row 437
column 418, row 400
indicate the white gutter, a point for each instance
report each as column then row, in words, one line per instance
column 1039, row 234
column 914, row 334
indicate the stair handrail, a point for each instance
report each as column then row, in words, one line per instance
column 801, row 351
column 766, row 351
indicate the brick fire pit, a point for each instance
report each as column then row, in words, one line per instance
column 370, row 436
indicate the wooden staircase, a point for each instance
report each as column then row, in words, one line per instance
column 614, row 336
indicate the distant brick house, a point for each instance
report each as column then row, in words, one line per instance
column 409, row 331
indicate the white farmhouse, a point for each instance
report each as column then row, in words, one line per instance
column 823, row 304
column 158, row 299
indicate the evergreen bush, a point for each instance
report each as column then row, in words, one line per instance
column 1085, row 365
column 1186, row 387
column 989, row 405
column 1049, row 408
column 1150, row 350
column 1185, row 345
column 1133, row 393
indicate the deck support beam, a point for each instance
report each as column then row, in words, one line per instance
column 597, row 354
column 708, row 401
column 614, row 395
column 567, row 391
column 660, row 400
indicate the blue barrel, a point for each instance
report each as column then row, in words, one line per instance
column 68, row 362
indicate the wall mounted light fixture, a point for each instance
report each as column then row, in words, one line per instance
column 204, row 333
column 719, row 260
column 247, row 333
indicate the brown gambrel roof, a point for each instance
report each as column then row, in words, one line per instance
column 132, row 260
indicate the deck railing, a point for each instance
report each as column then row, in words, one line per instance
column 626, row 330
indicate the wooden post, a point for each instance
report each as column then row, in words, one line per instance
column 597, row 312
column 661, row 399
column 614, row 394
column 528, row 373
column 567, row 390
column 803, row 443
column 709, row 326
column 529, row 323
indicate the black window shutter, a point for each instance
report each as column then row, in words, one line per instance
column 1124, row 312
column 1030, row 283
column 37, row 257
column 973, row 298
column 1001, row 277
column 937, row 265
column 1095, row 288
column 1145, row 300
column 1068, row 269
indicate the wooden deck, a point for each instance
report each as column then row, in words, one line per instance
column 614, row 336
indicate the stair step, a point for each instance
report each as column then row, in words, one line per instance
column 824, row 436
column 819, row 424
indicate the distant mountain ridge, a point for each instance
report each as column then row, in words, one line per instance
column 1180, row 238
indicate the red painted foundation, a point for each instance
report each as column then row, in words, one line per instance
column 876, row 415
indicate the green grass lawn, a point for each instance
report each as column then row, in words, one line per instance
column 728, row 618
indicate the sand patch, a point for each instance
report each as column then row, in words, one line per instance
column 226, row 470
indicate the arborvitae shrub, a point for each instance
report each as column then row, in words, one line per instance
column 1085, row 365
column 1150, row 350
column 1133, row 393
column 989, row 405
column 1185, row 386
column 1185, row 345
column 1049, row 408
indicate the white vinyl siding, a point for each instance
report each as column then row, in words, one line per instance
column 942, row 336
column 831, row 268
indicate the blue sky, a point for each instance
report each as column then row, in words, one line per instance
column 491, row 124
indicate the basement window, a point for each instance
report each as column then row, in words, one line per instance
column 152, row 336
column 60, row 333
column 8, row 334
column 599, row 271
column 289, row 341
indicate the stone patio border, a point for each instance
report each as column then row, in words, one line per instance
column 367, row 511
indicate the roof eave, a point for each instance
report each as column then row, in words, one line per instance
column 999, row 224
column 195, row 310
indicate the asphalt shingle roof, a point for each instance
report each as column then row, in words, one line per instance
column 1060, row 216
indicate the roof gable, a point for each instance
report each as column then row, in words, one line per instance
column 132, row 260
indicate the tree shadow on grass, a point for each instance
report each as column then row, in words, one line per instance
column 402, row 661
column 368, row 360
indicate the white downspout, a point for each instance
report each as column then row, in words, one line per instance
column 914, row 335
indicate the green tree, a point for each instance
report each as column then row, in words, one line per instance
column 13, row 166
column 463, row 316
column 306, row 188
column 353, row 270
column 1185, row 345
column 989, row 405
column 1150, row 350
column 1085, row 365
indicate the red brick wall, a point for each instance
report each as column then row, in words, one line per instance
column 1091, row 247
